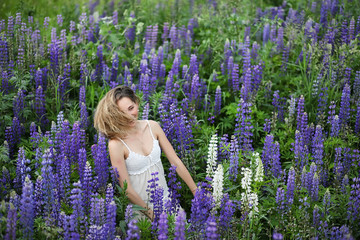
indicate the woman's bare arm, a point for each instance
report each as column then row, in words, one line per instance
column 116, row 151
column 172, row 156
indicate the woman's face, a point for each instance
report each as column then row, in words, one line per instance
column 128, row 106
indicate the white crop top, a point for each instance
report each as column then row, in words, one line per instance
column 138, row 163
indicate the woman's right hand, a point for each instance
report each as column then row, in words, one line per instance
column 150, row 214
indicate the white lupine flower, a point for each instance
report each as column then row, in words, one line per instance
column 218, row 184
column 253, row 203
column 212, row 156
column 259, row 168
column 246, row 180
column 250, row 201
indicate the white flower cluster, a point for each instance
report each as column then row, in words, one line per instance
column 212, row 156
column 249, row 200
column 258, row 166
column 218, row 185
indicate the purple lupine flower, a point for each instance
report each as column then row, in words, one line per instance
column 63, row 182
column 174, row 38
column 277, row 236
column 145, row 112
column 211, row 229
column 344, row 113
column 39, row 79
column 317, row 149
column 344, row 184
column 342, row 232
column 285, row 57
column 11, row 223
column 5, row 182
column 19, row 104
column 272, row 35
column 5, row 82
column 267, row 126
column 338, row 169
column 246, row 87
column 60, row 20
column 300, row 150
column 97, row 211
column 109, row 194
column 315, row 187
column 323, row 14
column 194, row 65
column 83, row 73
column 280, row 200
column 72, row 26
column 195, row 93
column 335, row 126
column 227, row 210
column 356, row 85
column 34, row 135
column 163, row 227
column 266, row 33
column 156, row 195
column 96, row 232
column 101, row 161
column 173, row 203
column 347, row 76
column 40, row 109
column 354, row 202
column 234, row 157
column 279, row 104
column 10, row 27
column 357, row 119
column 322, row 102
column 331, row 112
column 201, row 207
column 115, row 19
column 13, row 135
column 27, row 209
column 271, row 157
column 307, row 177
column 243, row 125
column 4, row 50
column 84, row 115
column 20, row 61
column 87, row 186
column 76, row 199
column 217, row 105
column 68, row 225
column 290, row 187
column 133, row 231
column 224, row 148
column 327, row 201
column 48, row 181
column 110, row 220
column 21, row 169
column 128, row 213
column 54, row 52
column 179, row 232
column 280, row 39
column 38, row 196
column 344, row 32
column 300, row 112
column 130, row 30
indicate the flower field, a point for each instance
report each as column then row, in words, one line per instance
column 260, row 99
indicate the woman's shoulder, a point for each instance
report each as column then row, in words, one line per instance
column 153, row 123
column 115, row 143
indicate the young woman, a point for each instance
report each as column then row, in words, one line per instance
column 135, row 146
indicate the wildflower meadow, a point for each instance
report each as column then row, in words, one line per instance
column 259, row 98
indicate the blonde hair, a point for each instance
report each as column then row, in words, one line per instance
column 109, row 119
